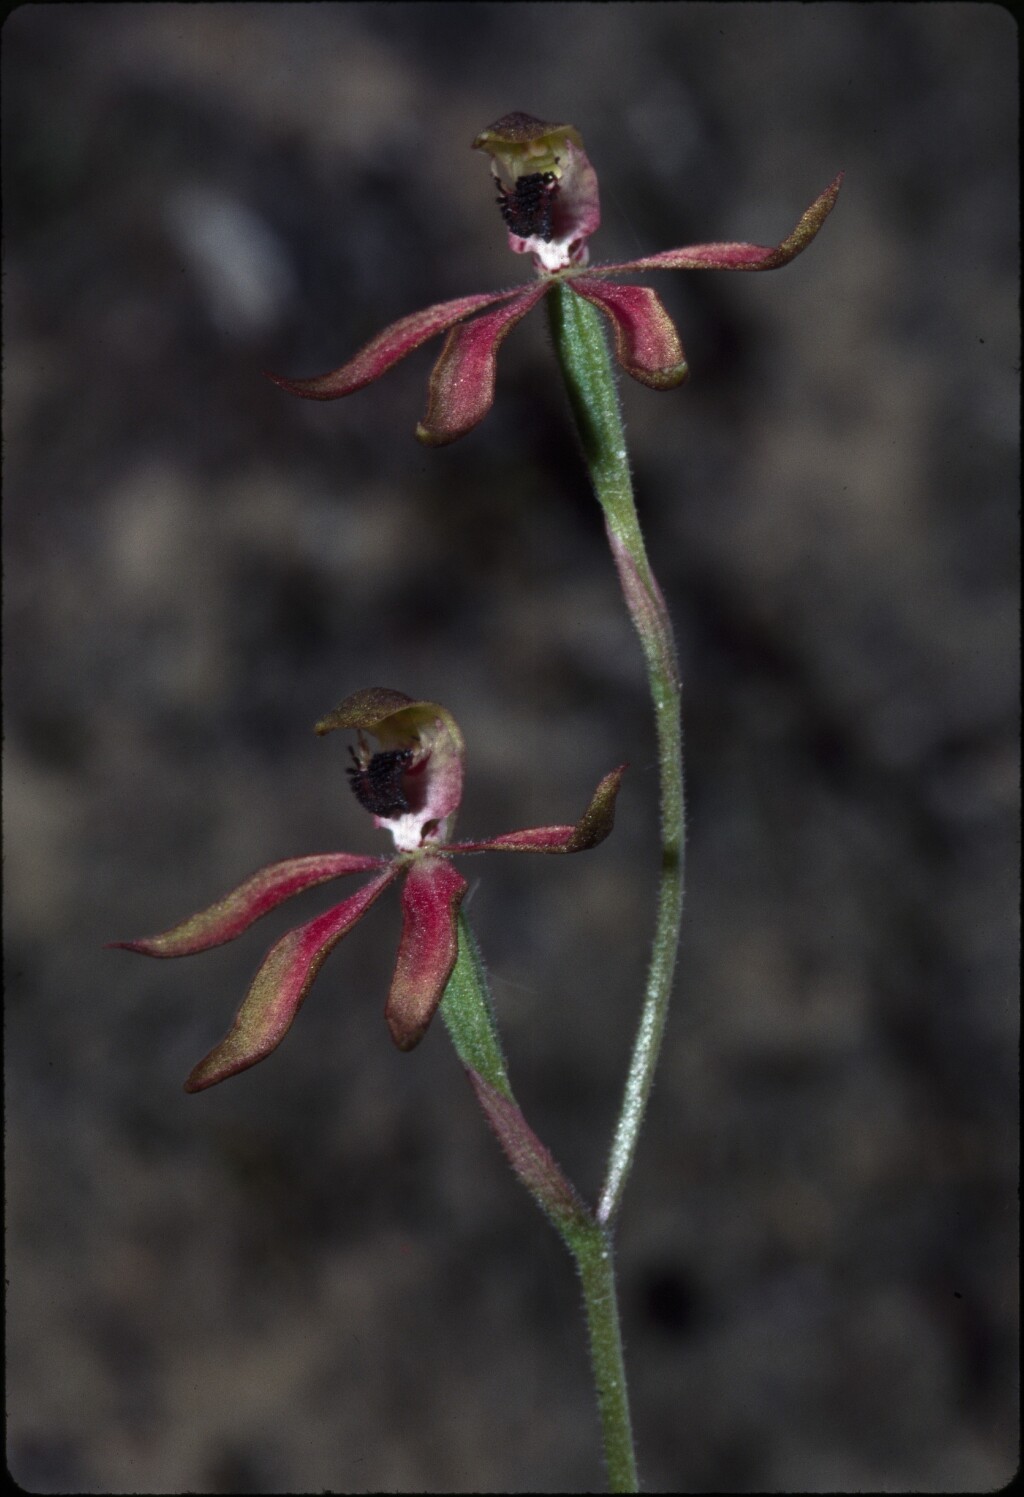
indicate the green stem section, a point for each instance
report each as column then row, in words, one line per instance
column 593, row 1254
column 586, row 364
column 467, row 1011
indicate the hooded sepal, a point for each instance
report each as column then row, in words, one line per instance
column 364, row 709
column 431, row 897
column 646, row 341
column 593, row 827
column 431, row 784
column 279, row 987
column 260, row 894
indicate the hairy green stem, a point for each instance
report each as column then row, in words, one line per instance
column 466, row 1008
column 586, row 364
column 467, row 1011
column 593, row 1254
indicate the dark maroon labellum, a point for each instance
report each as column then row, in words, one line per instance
column 528, row 207
column 377, row 782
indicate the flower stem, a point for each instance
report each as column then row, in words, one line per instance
column 468, row 1013
column 466, row 1010
column 586, row 365
column 593, row 1254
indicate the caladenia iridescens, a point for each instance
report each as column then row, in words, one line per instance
column 411, row 785
column 410, row 781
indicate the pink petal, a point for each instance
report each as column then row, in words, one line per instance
column 233, row 914
column 737, row 256
column 388, row 347
column 592, row 827
column 462, row 384
column 429, row 945
column 646, row 342
column 279, row 987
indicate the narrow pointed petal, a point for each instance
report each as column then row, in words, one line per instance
column 389, row 347
column 532, row 1161
column 276, row 995
column 233, row 914
column 428, row 948
column 646, row 342
column 737, row 256
column 462, row 385
column 593, row 827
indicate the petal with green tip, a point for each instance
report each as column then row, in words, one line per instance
column 426, row 954
column 263, row 892
column 646, row 342
column 593, row 827
column 461, row 389
column 281, row 984
column 393, row 344
column 737, row 256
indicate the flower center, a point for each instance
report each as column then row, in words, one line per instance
column 527, row 206
column 377, row 780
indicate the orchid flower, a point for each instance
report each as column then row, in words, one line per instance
column 548, row 197
column 411, row 786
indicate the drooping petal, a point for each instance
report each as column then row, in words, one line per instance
column 426, row 954
column 389, row 347
column 737, row 256
column 279, row 987
column 592, row 827
column 646, row 342
column 432, row 784
column 461, row 390
column 263, row 892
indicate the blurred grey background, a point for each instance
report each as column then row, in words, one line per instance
column 321, row 1276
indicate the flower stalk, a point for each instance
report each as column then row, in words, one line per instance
column 467, row 1011
column 586, row 366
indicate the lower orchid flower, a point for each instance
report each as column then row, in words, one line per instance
column 412, row 786
column 548, row 197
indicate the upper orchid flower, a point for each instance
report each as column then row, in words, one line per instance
column 411, row 785
column 548, row 198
